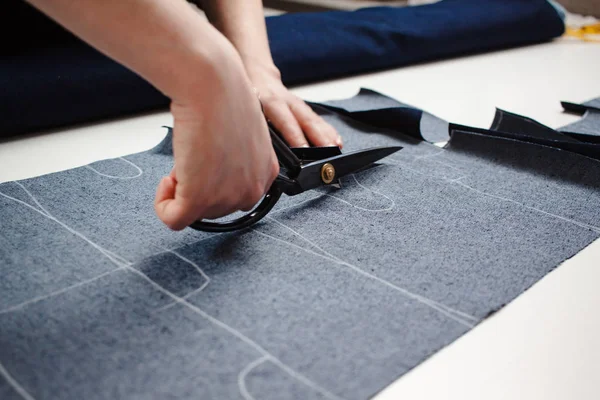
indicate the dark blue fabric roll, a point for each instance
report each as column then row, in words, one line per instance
column 56, row 80
column 316, row 46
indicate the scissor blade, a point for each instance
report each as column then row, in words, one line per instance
column 311, row 175
column 347, row 164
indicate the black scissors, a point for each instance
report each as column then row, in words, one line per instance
column 301, row 169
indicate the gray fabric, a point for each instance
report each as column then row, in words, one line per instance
column 334, row 295
column 589, row 124
column 366, row 100
column 593, row 103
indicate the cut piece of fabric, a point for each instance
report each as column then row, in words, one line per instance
column 334, row 295
column 513, row 126
column 381, row 111
column 54, row 80
column 588, row 127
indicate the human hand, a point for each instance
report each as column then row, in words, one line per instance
column 224, row 159
column 297, row 122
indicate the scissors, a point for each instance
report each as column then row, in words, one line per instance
column 301, row 169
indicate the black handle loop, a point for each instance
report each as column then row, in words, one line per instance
column 245, row 221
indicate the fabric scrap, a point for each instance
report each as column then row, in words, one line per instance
column 588, row 127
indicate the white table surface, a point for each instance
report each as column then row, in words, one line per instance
column 546, row 343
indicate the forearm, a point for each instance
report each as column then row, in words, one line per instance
column 243, row 23
column 165, row 42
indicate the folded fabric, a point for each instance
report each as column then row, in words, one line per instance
column 52, row 80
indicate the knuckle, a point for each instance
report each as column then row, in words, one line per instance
column 274, row 169
column 305, row 109
column 273, row 103
column 255, row 194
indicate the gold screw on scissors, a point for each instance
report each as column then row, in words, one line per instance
column 327, row 173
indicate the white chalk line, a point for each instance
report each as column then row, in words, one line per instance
column 376, row 192
column 237, row 334
column 118, row 261
column 244, row 373
column 57, row 292
column 456, row 315
column 297, row 204
column 14, row 384
column 140, row 171
column 431, row 155
column 393, row 203
column 572, row 221
column 222, row 233
column 184, row 302
column 193, row 292
column 442, row 309
column 458, row 181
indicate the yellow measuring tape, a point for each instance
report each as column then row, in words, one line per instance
column 584, row 32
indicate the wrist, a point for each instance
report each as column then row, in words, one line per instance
column 261, row 70
column 203, row 69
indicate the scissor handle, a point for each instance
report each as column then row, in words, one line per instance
column 261, row 210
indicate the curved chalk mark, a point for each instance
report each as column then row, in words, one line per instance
column 389, row 208
column 140, row 172
column 193, row 292
column 244, row 373
column 237, row 334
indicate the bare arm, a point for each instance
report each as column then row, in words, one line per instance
column 224, row 160
column 243, row 23
column 160, row 40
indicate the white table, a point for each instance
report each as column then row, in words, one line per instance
column 545, row 344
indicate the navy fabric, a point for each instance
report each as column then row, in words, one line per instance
column 52, row 79
column 375, row 109
column 315, row 46
column 582, row 141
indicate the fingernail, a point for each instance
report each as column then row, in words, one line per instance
column 304, row 145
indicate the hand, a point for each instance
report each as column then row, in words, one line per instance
column 297, row 122
column 224, row 159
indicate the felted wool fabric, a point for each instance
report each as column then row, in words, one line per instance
column 51, row 79
column 333, row 296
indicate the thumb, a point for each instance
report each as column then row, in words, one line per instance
column 170, row 209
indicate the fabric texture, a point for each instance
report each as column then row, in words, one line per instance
column 53, row 79
column 588, row 127
column 333, row 296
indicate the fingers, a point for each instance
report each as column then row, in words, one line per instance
column 317, row 131
column 279, row 113
column 170, row 209
column 299, row 124
column 177, row 213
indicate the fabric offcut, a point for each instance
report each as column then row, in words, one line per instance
column 334, row 295
column 587, row 128
column 54, row 80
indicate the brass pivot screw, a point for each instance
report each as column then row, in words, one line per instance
column 327, row 173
